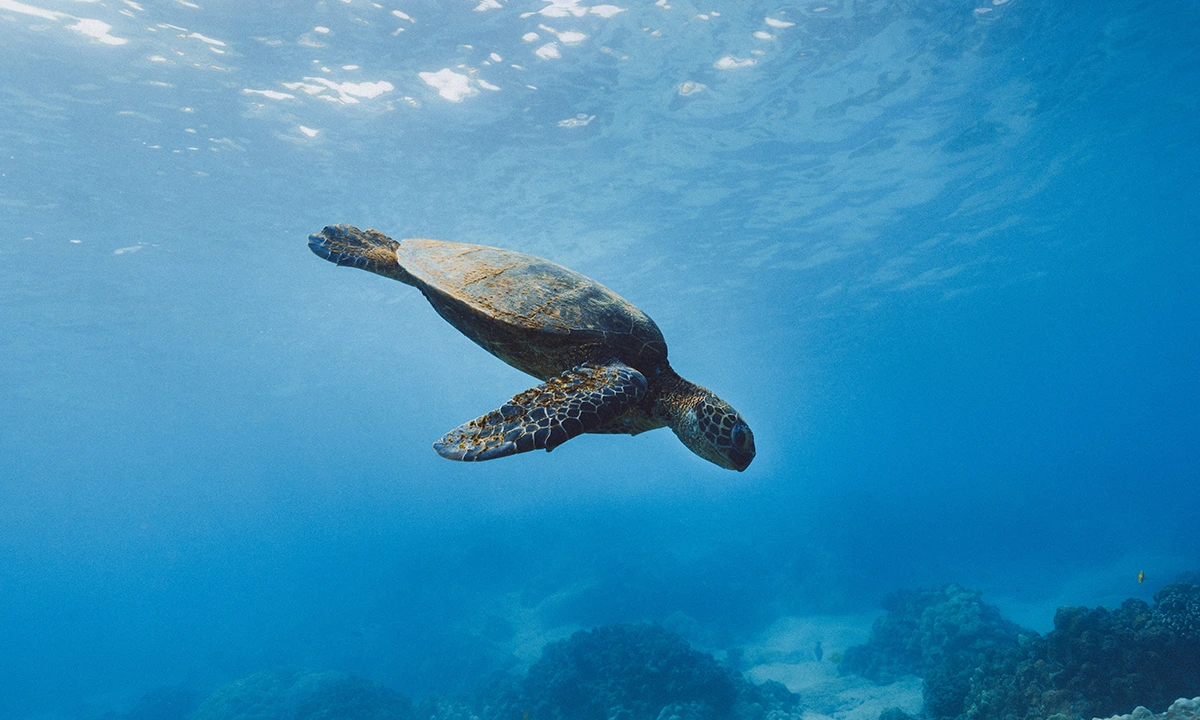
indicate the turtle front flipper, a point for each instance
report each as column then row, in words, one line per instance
column 577, row 401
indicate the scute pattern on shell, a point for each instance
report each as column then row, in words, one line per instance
column 577, row 401
column 521, row 307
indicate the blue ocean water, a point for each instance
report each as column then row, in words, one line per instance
column 943, row 256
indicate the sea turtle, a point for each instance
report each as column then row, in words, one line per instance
column 603, row 361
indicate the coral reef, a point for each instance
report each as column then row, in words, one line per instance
column 1181, row 709
column 640, row 668
column 622, row 672
column 942, row 635
column 1096, row 662
column 975, row 665
column 1177, row 611
column 303, row 696
column 617, row 672
column 926, row 629
column 978, row 666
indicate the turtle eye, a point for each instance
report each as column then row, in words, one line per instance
column 741, row 436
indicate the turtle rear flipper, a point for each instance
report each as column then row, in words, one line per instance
column 365, row 249
column 577, row 401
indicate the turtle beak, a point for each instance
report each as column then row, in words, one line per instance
column 740, row 459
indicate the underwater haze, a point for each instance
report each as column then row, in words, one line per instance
column 943, row 256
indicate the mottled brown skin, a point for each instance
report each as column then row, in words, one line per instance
column 544, row 417
column 544, row 319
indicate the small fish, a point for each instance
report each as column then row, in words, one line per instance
column 1141, row 575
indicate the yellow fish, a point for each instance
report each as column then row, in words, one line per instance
column 1141, row 575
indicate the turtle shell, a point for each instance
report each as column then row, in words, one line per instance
column 534, row 314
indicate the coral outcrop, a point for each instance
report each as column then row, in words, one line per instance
column 941, row 635
column 303, row 696
column 1096, row 662
column 623, row 672
column 1181, row 709
column 928, row 629
column 640, row 668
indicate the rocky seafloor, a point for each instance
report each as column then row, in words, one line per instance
column 940, row 654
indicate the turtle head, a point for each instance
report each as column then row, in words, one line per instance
column 712, row 429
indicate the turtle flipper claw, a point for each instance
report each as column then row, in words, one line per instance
column 577, row 401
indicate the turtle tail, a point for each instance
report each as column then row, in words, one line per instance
column 365, row 249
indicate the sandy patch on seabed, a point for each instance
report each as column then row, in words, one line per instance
column 787, row 652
